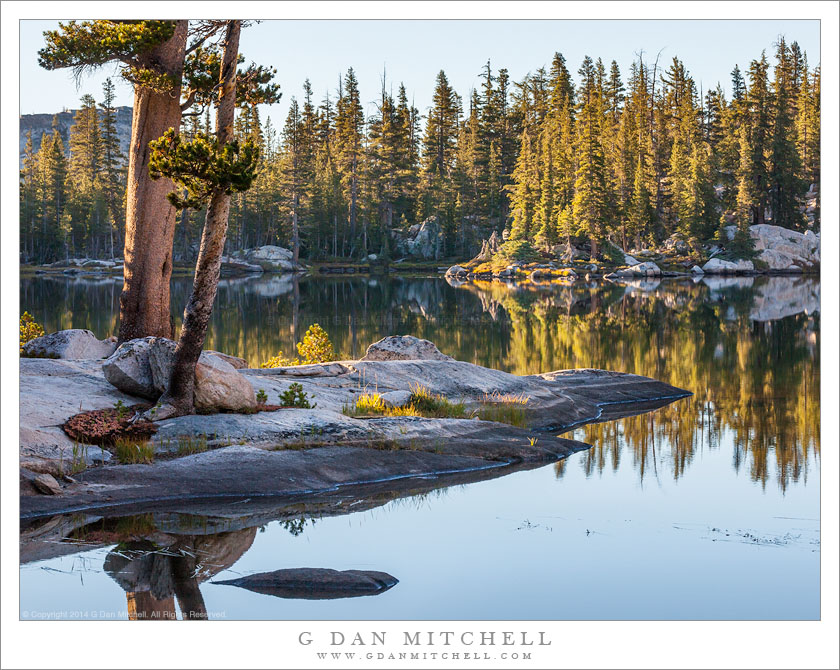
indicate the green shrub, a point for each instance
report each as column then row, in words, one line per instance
column 295, row 396
column 612, row 254
column 515, row 251
column 262, row 397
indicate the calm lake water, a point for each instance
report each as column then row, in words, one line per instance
column 705, row 509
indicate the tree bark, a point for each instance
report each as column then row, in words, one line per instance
column 149, row 217
column 295, row 231
column 179, row 397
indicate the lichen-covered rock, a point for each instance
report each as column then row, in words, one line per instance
column 404, row 348
column 272, row 258
column 783, row 249
column 647, row 269
column 46, row 483
column 720, row 266
column 423, row 240
column 455, row 270
column 142, row 367
column 235, row 361
column 128, row 369
column 73, row 344
column 161, row 359
column 218, row 386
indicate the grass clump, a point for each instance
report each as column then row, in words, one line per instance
column 434, row 405
column 370, row 403
column 29, row 329
column 315, row 347
column 421, row 403
column 130, row 451
column 187, row 445
column 504, row 408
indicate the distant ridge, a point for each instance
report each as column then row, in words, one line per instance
column 42, row 123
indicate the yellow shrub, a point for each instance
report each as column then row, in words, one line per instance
column 29, row 329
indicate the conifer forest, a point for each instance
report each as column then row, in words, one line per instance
column 590, row 155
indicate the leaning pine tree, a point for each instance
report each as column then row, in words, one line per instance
column 171, row 78
column 209, row 168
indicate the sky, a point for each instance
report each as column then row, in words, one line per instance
column 414, row 52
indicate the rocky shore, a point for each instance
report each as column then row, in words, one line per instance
column 297, row 452
column 776, row 251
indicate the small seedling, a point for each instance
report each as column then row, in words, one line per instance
column 79, row 462
column 295, row 396
column 533, row 441
column 262, row 397
column 122, row 410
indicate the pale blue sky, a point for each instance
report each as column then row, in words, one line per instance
column 414, row 51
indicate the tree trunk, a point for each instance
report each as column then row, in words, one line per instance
column 179, row 396
column 149, row 217
column 295, row 233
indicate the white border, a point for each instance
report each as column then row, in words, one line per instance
column 274, row 644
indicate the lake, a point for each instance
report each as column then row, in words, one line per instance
column 705, row 509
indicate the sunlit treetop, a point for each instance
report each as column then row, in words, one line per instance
column 89, row 44
column 83, row 45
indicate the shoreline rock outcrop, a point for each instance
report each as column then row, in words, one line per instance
column 302, row 451
column 267, row 258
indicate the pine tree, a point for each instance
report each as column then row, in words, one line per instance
column 349, row 128
column 590, row 201
column 786, row 185
column 640, row 215
column 113, row 171
column 53, row 165
column 29, row 201
column 86, row 195
column 753, row 138
column 439, row 153
column 291, row 179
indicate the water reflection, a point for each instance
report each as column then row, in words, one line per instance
column 161, row 559
column 748, row 348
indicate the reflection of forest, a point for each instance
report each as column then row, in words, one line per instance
column 748, row 348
